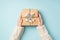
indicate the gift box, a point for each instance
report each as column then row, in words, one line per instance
column 29, row 17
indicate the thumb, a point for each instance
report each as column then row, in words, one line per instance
column 20, row 21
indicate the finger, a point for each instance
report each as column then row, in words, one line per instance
column 20, row 21
column 40, row 22
column 39, row 15
column 39, row 19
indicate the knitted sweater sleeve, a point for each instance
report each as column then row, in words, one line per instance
column 43, row 33
column 17, row 33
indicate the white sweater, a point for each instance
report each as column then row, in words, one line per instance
column 43, row 33
column 18, row 31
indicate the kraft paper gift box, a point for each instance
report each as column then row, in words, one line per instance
column 29, row 17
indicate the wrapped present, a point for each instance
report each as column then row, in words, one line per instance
column 29, row 17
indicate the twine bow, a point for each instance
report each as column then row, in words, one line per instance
column 30, row 18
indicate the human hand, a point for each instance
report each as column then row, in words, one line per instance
column 20, row 22
column 40, row 21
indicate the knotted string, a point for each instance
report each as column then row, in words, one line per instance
column 30, row 18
